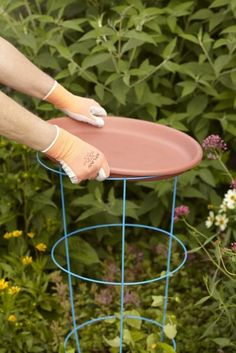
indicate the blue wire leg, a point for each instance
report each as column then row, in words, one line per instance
column 122, row 289
column 69, row 267
column 168, row 262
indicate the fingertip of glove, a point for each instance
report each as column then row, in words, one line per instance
column 99, row 121
column 98, row 111
column 101, row 175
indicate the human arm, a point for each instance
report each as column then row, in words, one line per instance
column 17, row 72
column 18, row 124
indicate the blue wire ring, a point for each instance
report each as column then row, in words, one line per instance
column 90, row 322
column 118, row 225
column 58, row 171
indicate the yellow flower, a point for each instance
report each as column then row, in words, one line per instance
column 14, row 290
column 7, row 235
column 31, row 235
column 27, row 260
column 3, row 284
column 41, row 247
column 12, row 318
column 16, row 233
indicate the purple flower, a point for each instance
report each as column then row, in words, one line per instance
column 131, row 297
column 213, row 144
column 181, row 211
column 233, row 246
column 233, row 184
column 105, row 297
column 112, row 271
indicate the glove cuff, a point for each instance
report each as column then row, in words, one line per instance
column 59, row 96
column 50, row 91
column 54, row 140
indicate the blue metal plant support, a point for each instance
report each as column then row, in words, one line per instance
column 164, row 276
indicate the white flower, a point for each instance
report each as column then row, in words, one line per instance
column 230, row 199
column 221, row 221
column 223, row 207
column 210, row 219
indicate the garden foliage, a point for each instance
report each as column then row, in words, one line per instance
column 170, row 62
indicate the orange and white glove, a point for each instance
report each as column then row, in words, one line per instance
column 78, row 108
column 79, row 159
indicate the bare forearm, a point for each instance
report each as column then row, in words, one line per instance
column 18, row 124
column 17, row 72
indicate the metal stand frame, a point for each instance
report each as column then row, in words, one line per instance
column 122, row 283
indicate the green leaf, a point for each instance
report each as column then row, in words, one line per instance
column 136, row 323
column 169, row 48
column 207, row 176
column 99, row 89
column 63, row 51
column 221, row 62
column 152, row 342
column 119, row 90
column 82, row 251
column 197, row 105
column 170, row 330
column 73, row 24
column 201, row 14
column 158, row 300
column 230, row 29
column 94, row 60
column 28, row 40
column 188, row 87
column 115, row 342
column 222, row 342
column 189, row 37
column 202, row 300
column 218, row 3
column 88, row 213
column 141, row 36
column 127, row 337
column 166, row 347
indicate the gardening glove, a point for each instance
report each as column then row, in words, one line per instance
column 78, row 108
column 79, row 159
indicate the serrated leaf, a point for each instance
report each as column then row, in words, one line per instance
column 170, row 330
column 158, row 300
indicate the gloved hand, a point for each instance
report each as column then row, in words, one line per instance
column 79, row 159
column 78, row 108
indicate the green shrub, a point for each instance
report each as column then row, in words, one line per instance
column 168, row 62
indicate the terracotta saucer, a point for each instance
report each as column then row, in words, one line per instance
column 136, row 147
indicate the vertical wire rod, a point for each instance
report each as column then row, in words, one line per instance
column 122, row 267
column 68, row 264
column 169, row 257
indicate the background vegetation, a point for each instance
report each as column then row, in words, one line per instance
column 171, row 62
